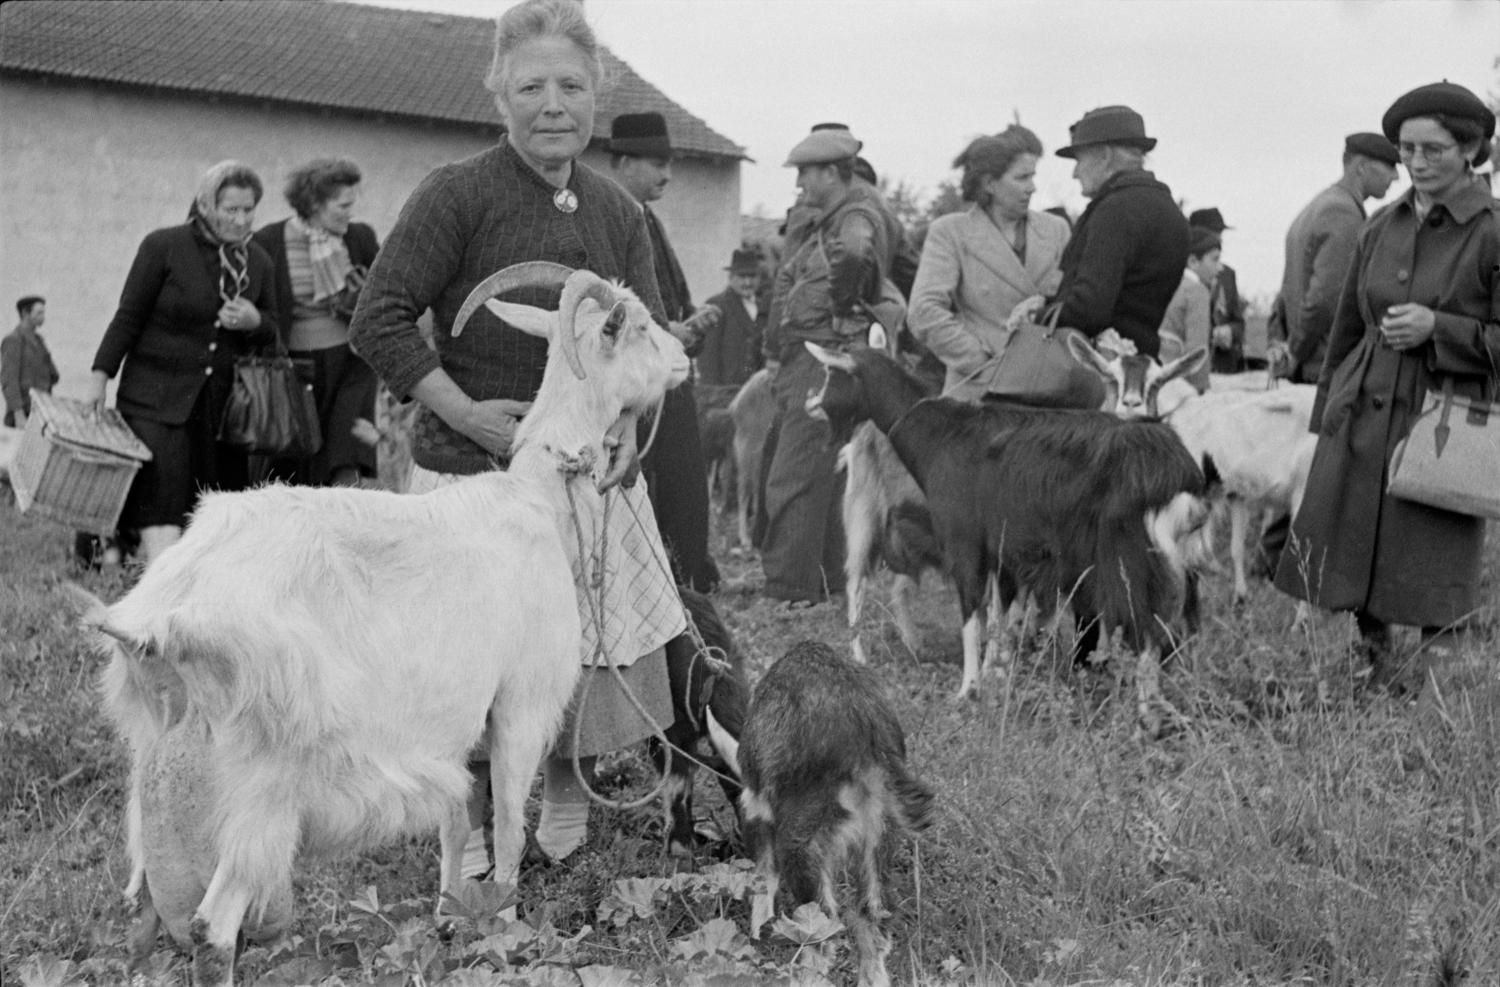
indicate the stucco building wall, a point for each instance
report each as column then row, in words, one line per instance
column 86, row 171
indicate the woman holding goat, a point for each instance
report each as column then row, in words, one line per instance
column 529, row 199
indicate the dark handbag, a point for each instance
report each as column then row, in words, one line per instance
column 1451, row 457
column 1036, row 368
column 271, row 409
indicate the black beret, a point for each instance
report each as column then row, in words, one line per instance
column 1437, row 97
column 1372, row 146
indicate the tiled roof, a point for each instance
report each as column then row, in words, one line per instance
column 339, row 56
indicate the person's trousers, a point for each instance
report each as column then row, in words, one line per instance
column 803, row 553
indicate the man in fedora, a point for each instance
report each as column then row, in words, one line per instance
column 1320, row 247
column 676, row 476
column 731, row 347
column 1130, row 246
column 1228, row 337
column 822, row 287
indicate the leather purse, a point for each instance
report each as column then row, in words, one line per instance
column 1036, row 368
column 1451, row 456
column 271, row 409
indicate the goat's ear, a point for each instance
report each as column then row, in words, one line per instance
column 1084, row 353
column 878, row 339
column 1184, row 366
column 831, row 358
column 527, row 318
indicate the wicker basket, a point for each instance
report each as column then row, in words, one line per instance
column 75, row 467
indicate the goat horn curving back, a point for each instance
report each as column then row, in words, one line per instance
column 535, row 273
column 581, row 285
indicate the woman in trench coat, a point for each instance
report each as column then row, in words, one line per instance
column 1421, row 304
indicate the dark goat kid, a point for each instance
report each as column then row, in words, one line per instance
column 824, row 764
column 1077, row 504
column 708, row 703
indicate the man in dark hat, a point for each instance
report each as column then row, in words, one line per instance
column 731, row 348
column 822, row 287
column 1227, row 342
column 1319, row 248
column 1130, row 246
column 675, row 472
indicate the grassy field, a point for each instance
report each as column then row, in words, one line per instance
column 1274, row 838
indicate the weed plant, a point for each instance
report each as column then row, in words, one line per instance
column 1287, row 830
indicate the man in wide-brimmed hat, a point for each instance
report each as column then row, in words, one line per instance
column 674, row 468
column 1130, row 246
column 1227, row 342
column 731, row 348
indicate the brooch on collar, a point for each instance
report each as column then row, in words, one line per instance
column 565, row 200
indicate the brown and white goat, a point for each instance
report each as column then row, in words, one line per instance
column 1069, row 504
column 346, row 647
column 824, row 765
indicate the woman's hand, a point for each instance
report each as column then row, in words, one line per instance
column 98, row 384
column 239, row 315
column 492, row 424
column 620, row 446
column 1407, row 326
column 1025, row 312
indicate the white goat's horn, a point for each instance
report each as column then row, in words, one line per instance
column 581, row 285
column 538, row 273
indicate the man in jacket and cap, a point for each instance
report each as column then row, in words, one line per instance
column 1320, row 247
column 822, row 287
column 731, row 347
column 675, row 472
column 1227, row 341
column 1130, row 246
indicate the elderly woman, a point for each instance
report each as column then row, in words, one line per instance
column 321, row 257
column 528, row 199
column 1420, row 306
column 197, row 296
column 978, row 265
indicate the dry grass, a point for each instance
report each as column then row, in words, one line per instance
column 1273, row 839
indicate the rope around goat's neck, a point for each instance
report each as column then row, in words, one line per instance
column 582, row 465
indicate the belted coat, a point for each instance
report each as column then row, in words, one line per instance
column 1353, row 546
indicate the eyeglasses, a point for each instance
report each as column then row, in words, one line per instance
column 1429, row 152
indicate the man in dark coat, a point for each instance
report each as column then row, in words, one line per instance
column 1227, row 340
column 1130, row 246
column 676, row 477
column 25, row 361
column 731, row 347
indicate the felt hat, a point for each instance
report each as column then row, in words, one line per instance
column 1372, row 146
column 642, row 135
column 1208, row 219
column 1444, row 97
column 1107, row 125
column 823, row 147
column 744, row 261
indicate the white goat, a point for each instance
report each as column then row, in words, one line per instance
column 345, row 647
column 1255, row 440
column 754, row 413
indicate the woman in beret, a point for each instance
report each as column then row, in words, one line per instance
column 1420, row 306
column 978, row 265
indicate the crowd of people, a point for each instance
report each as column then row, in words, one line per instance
column 1374, row 311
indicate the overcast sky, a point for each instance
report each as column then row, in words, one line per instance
column 1250, row 99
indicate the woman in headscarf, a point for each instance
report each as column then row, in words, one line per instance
column 321, row 257
column 978, row 265
column 528, row 199
column 1420, row 306
column 198, row 295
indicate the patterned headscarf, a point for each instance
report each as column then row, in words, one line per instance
column 234, row 276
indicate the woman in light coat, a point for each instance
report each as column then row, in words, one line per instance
column 1420, row 306
column 978, row 265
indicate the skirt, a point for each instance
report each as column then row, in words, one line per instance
column 607, row 719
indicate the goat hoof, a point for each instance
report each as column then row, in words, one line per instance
column 965, row 692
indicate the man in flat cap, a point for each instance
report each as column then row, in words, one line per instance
column 1319, row 248
column 674, row 468
column 1130, row 246
column 1227, row 341
column 822, row 288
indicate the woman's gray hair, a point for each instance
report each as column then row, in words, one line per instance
column 990, row 157
column 534, row 19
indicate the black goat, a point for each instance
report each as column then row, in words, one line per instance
column 824, row 763
column 1078, row 504
column 709, row 699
